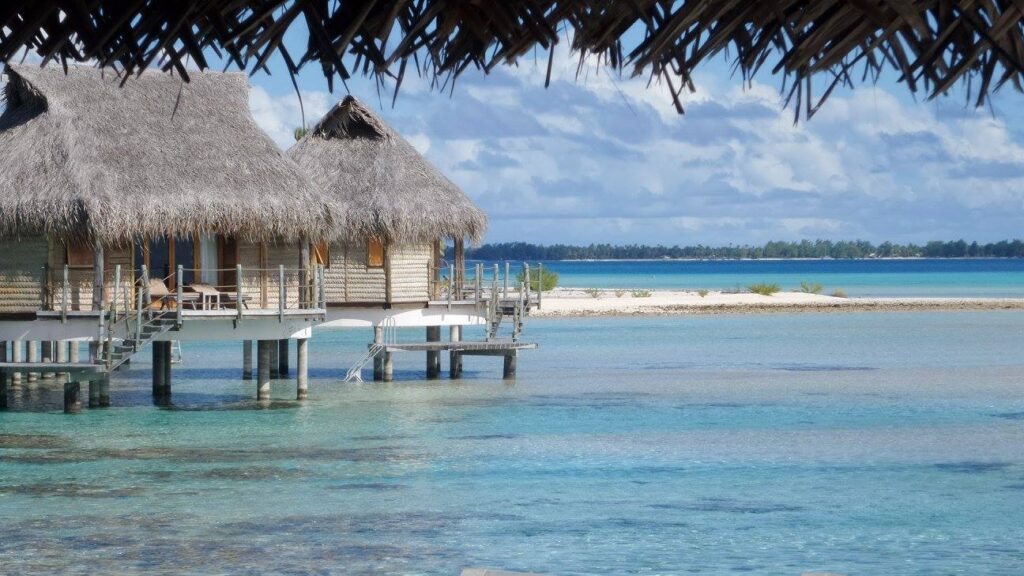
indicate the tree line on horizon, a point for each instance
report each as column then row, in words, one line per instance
column 844, row 249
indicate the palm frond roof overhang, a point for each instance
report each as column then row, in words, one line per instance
column 931, row 45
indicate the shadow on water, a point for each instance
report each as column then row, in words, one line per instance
column 972, row 467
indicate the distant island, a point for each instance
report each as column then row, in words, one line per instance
column 842, row 249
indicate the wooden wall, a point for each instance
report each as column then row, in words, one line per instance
column 80, row 278
column 262, row 287
column 410, row 273
column 21, row 273
column 349, row 280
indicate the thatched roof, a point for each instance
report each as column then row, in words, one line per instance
column 930, row 44
column 81, row 156
column 378, row 185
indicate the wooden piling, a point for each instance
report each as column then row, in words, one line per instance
column 302, row 360
column 94, row 393
column 159, row 359
column 509, row 370
column 3, row 350
column 263, row 369
column 275, row 358
column 246, row 359
column 455, row 358
column 72, row 397
column 167, row 370
column 4, row 377
column 433, row 356
column 104, row 385
column 282, row 357
column 378, row 360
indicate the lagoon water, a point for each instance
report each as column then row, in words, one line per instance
column 978, row 277
column 856, row 443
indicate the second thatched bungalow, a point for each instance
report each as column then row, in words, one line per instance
column 393, row 212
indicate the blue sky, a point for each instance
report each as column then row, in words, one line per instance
column 601, row 158
column 607, row 159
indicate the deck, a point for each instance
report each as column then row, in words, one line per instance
column 48, row 367
column 469, row 348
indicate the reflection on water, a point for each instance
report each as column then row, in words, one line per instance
column 857, row 443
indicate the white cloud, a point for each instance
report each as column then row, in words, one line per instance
column 279, row 116
column 602, row 158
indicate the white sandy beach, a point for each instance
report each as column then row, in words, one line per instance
column 611, row 302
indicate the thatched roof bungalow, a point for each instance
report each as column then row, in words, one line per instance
column 88, row 166
column 392, row 209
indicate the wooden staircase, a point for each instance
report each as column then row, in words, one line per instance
column 121, row 351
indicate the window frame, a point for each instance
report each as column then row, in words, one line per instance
column 375, row 247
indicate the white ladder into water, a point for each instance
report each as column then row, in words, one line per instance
column 355, row 373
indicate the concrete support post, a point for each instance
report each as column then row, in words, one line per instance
column 94, row 393
column 302, row 361
column 509, row 370
column 48, row 356
column 275, row 358
column 3, row 350
column 433, row 356
column 389, row 367
column 378, row 360
column 454, row 357
column 62, row 357
column 32, row 351
column 17, row 356
column 74, row 352
column 4, row 377
column 72, row 398
column 246, row 359
column 282, row 357
column 104, row 385
column 263, row 369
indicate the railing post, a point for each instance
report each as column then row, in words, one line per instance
column 477, row 281
column 526, row 281
column 323, row 287
column 281, row 293
column 451, row 284
column 64, row 297
column 138, row 315
column 505, row 294
column 179, row 281
column 148, row 296
column 44, row 287
column 239, row 296
column 540, row 282
column 117, row 293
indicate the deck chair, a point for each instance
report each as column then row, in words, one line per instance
column 161, row 298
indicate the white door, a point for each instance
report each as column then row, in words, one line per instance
column 208, row 257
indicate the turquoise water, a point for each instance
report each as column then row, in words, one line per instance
column 856, row 443
column 863, row 278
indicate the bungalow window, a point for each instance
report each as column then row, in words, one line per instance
column 321, row 255
column 79, row 255
column 374, row 253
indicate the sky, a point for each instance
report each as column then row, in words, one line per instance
column 602, row 158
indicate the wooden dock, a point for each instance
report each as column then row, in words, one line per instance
column 468, row 348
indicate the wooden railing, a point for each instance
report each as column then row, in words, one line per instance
column 283, row 289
